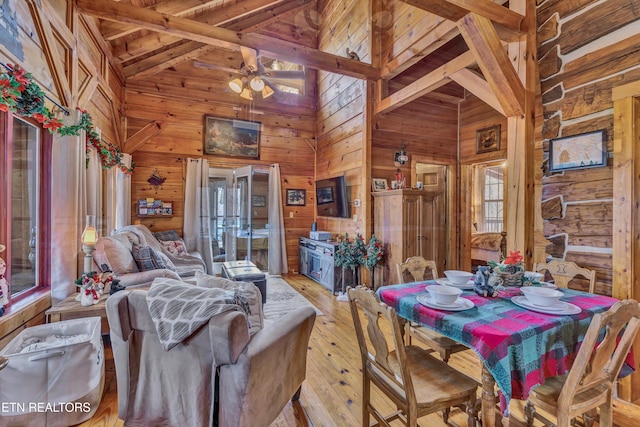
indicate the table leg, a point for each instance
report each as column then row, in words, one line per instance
column 489, row 400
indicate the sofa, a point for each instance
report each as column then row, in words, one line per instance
column 137, row 257
column 224, row 375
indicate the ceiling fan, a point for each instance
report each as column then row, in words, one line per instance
column 256, row 78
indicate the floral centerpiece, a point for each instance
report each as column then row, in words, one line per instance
column 92, row 285
column 510, row 271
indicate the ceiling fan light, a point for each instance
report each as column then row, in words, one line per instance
column 267, row 92
column 236, row 85
column 256, row 84
column 246, row 94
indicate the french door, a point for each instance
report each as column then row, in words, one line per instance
column 25, row 183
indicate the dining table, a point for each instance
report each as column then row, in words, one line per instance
column 519, row 347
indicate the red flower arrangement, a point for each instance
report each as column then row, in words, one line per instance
column 20, row 95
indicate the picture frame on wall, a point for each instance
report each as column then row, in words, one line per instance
column 379, row 184
column 296, row 197
column 488, row 139
column 586, row 150
column 258, row 201
column 231, row 137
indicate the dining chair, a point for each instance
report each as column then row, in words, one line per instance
column 590, row 382
column 418, row 266
column 565, row 271
column 416, row 382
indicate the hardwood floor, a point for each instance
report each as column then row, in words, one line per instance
column 331, row 394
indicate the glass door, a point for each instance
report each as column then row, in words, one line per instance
column 252, row 214
column 221, row 221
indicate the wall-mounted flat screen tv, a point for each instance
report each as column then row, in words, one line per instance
column 331, row 197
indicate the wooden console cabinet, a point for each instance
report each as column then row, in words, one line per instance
column 409, row 223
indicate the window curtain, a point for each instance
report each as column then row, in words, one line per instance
column 277, row 238
column 118, row 197
column 93, row 197
column 477, row 205
column 196, row 210
column 67, row 213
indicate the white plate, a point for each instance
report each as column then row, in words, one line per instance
column 523, row 302
column 460, row 304
column 446, row 282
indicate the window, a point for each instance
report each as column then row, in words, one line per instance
column 488, row 197
column 25, row 213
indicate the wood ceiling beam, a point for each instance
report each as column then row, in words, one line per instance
column 220, row 37
column 455, row 10
column 191, row 50
column 227, row 14
column 478, row 86
column 426, row 84
column 482, row 39
column 137, row 140
column 56, row 67
column 268, row 16
column 113, row 30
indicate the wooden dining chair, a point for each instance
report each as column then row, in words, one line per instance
column 416, row 382
column 418, row 266
column 590, row 382
column 565, row 271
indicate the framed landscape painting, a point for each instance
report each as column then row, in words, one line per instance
column 231, row 137
column 587, row 150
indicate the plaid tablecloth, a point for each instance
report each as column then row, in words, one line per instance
column 518, row 346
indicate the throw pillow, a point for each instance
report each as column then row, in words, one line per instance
column 166, row 235
column 174, row 247
column 110, row 251
column 146, row 258
column 167, row 261
column 246, row 289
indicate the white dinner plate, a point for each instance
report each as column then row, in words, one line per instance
column 460, row 304
column 568, row 308
column 446, row 282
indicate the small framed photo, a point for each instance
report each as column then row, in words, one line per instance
column 259, row 201
column 296, row 197
column 379, row 184
column 587, row 150
column 488, row 139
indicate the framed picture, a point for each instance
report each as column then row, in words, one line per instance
column 488, row 139
column 324, row 195
column 296, row 197
column 231, row 137
column 587, row 150
column 378, row 184
column 258, row 201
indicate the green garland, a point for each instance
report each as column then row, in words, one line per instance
column 20, row 95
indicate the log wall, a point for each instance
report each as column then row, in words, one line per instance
column 586, row 48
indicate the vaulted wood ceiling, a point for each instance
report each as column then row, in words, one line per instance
column 466, row 49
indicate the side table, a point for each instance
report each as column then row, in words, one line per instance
column 69, row 308
column 246, row 271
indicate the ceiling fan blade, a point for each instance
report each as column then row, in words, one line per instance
column 286, row 74
column 250, row 57
column 211, row 66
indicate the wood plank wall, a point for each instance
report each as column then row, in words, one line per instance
column 180, row 97
column 340, row 117
column 580, row 62
column 96, row 85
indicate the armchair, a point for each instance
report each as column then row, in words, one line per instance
column 257, row 375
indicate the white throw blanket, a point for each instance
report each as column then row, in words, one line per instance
column 179, row 310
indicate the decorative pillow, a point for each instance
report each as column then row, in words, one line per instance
column 167, row 261
column 111, row 252
column 146, row 258
column 174, row 247
column 245, row 289
column 166, row 235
